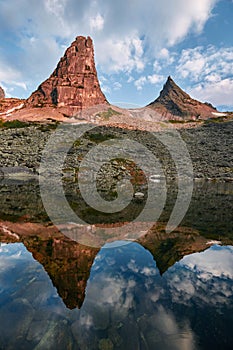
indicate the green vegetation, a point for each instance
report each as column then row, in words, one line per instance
column 47, row 127
column 220, row 119
column 106, row 115
column 13, row 124
column 16, row 124
column 77, row 143
column 174, row 121
column 100, row 137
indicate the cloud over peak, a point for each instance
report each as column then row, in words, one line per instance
column 132, row 39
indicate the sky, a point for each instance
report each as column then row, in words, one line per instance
column 137, row 45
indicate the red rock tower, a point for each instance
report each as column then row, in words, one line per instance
column 2, row 93
column 74, row 83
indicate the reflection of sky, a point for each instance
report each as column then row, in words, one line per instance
column 127, row 301
column 206, row 277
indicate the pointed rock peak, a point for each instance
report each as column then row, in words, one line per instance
column 74, row 84
column 2, row 93
column 173, row 101
column 169, row 80
column 169, row 86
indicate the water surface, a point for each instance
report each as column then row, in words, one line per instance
column 161, row 292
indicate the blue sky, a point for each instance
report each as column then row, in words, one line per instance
column 137, row 45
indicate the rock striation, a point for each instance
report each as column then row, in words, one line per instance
column 74, row 83
column 173, row 101
column 2, row 93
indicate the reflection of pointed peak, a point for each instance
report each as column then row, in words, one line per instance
column 167, row 249
column 173, row 101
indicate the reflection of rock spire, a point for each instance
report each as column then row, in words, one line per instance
column 67, row 263
column 167, row 249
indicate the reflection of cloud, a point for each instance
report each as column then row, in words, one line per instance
column 166, row 324
column 12, row 254
column 115, row 291
column 216, row 261
column 149, row 271
column 203, row 276
column 132, row 266
column 125, row 292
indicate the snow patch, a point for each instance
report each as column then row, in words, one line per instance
column 213, row 242
column 9, row 233
column 9, row 111
column 218, row 114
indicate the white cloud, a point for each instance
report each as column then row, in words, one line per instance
column 10, row 78
column 213, row 78
column 211, row 70
column 55, row 7
column 191, row 62
column 157, row 66
column 219, row 93
column 155, row 78
column 150, row 79
column 105, row 88
column 8, row 73
column 125, row 36
column 117, row 85
column 130, row 79
column 164, row 53
column 139, row 83
column 149, row 271
column 97, row 23
column 120, row 55
column 201, row 62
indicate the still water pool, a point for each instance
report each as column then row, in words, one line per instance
column 161, row 292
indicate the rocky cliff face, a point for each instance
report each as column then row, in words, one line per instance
column 73, row 84
column 2, row 93
column 173, row 101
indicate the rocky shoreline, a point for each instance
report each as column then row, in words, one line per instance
column 209, row 146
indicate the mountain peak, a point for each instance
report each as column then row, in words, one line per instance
column 173, row 101
column 171, row 91
column 74, row 83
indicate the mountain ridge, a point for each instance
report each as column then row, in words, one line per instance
column 73, row 93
